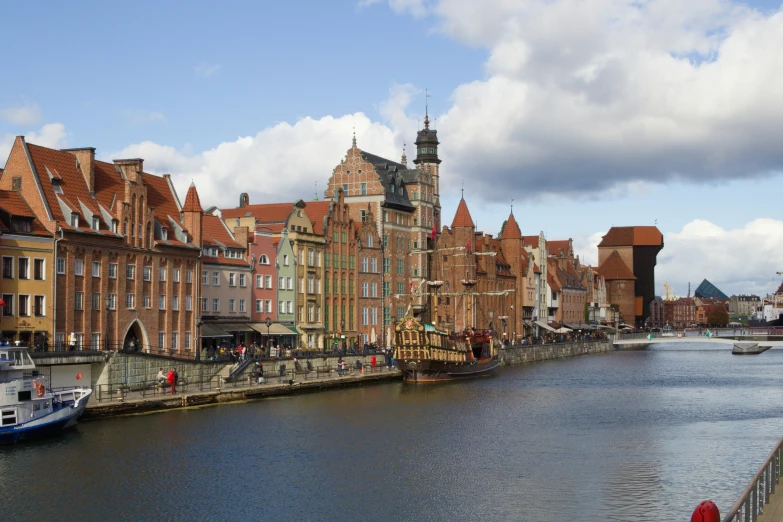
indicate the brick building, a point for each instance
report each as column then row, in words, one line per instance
column 637, row 249
column 118, row 229
column 522, row 313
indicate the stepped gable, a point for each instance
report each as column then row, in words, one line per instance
column 392, row 174
column 511, row 229
column 462, row 216
column 192, row 201
column 632, row 236
column 13, row 204
column 615, row 268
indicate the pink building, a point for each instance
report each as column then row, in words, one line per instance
column 264, row 294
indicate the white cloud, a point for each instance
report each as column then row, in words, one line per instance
column 417, row 8
column 22, row 114
column 50, row 135
column 205, row 70
column 580, row 96
column 143, row 117
column 280, row 163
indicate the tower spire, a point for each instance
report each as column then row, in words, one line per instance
column 354, row 136
column 426, row 109
column 404, row 159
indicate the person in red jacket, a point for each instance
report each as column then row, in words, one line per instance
column 171, row 380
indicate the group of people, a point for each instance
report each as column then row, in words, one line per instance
column 171, row 378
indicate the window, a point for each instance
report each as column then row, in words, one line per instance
column 175, row 302
column 188, row 303
column 174, row 339
column 301, row 313
column 204, row 304
column 365, row 291
column 216, row 305
column 310, row 257
column 285, row 259
column 161, row 340
column 130, row 271
column 231, row 305
column 281, row 307
column 386, row 265
column 363, row 189
column 96, row 223
column 113, row 270
column 259, row 281
column 241, row 305
column 130, row 301
column 96, row 301
column 268, row 281
column 386, row 241
column 176, row 275
column 369, row 241
column 39, row 272
column 268, row 306
column 162, row 274
column 161, row 302
column 386, row 290
column 289, row 283
column 96, row 269
column 60, row 265
column 205, row 278
column 400, row 266
column 400, row 312
column 215, row 278
column 147, row 301
column 374, row 316
column 374, row 288
column 289, row 307
column 343, row 237
column 95, row 341
column 242, row 280
column 8, row 309
column 259, row 306
column 232, row 279
column 400, row 288
column 187, row 338
column 365, row 317
column 39, row 310
column 345, row 188
column 311, row 285
column 374, row 266
column 78, row 301
column 263, row 259
column 78, row 268
column 189, row 276
column 24, row 268
column 112, row 301
column 23, row 309
column 148, row 273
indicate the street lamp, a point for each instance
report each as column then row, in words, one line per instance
column 268, row 323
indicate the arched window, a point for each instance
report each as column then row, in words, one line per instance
column 263, row 260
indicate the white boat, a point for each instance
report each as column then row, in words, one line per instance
column 28, row 408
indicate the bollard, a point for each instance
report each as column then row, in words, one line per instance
column 707, row 511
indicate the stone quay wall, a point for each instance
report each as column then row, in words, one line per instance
column 546, row 352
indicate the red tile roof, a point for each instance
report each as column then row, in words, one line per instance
column 511, row 229
column 192, row 201
column 632, row 236
column 316, row 211
column 531, row 241
column 216, row 233
column 614, row 268
column 13, row 203
column 462, row 217
column 264, row 213
column 556, row 246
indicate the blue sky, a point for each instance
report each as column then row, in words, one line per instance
column 530, row 98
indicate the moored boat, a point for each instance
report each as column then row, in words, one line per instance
column 28, row 408
column 423, row 353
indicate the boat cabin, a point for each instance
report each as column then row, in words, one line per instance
column 417, row 341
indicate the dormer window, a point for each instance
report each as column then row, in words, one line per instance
column 391, row 188
column 114, row 226
column 96, row 223
column 164, row 234
column 75, row 220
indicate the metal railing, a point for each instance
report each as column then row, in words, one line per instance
column 752, row 501
column 151, row 388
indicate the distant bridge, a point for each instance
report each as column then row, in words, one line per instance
column 638, row 341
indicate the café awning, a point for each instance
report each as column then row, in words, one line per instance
column 211, row 330
column 274, row 329
column 235, row 327
column 545, row 326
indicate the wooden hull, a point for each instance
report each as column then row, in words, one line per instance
column 425, row 371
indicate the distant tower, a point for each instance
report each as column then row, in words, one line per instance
column 689, row 288
column 244, row 200
column 427, row 158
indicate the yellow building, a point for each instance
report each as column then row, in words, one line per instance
column 26, row 279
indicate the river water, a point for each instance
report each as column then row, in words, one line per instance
column 633, row 435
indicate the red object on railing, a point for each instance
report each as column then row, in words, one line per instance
column 707, row 511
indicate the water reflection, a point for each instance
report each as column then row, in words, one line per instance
column 643, row 435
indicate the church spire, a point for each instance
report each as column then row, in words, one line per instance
column 404, row 159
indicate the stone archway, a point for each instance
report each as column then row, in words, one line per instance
column 136, row 338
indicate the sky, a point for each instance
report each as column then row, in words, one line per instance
column 583, row 114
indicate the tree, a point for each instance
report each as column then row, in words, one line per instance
column 717, row 316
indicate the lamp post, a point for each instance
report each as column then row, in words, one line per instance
column 342, row 327
column 268, row 323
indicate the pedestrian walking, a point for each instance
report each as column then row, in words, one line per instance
column 172, row 381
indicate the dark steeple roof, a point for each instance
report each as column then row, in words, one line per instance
column 393, row 177
column 427, row 139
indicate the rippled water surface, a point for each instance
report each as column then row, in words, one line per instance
column 639, row 435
